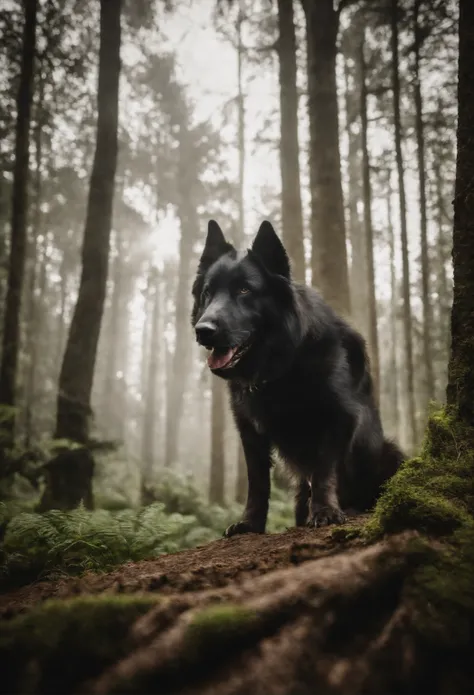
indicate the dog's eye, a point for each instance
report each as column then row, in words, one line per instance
column 243, row 290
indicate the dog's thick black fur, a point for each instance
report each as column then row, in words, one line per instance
column 299, row 382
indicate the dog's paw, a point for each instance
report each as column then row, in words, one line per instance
column 241, row 527
column 325, row 516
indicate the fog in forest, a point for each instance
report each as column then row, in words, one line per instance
column 216, row 101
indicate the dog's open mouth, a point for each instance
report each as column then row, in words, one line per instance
column 226, row 358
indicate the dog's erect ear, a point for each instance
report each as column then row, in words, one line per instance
column 271, row 252
column 215, row 246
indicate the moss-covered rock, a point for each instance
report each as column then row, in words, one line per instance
column 60, row 645
column 434, row 492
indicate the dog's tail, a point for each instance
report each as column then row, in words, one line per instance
column 375, row 469
column 389, row 461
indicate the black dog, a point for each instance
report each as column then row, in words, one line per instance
column 299, row 382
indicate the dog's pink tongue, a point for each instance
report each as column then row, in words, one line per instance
column 220, row 361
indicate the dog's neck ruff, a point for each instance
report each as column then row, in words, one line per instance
column 252, row 386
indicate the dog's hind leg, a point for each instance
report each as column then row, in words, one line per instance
column 302, row 495
column 324, row 504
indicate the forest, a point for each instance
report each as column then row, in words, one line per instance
column 125, row 126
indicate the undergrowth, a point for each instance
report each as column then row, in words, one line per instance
column 39, row 546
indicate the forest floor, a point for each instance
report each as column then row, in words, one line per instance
column 211, row 566
column 309, row 610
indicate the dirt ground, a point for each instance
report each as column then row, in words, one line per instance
column 303, row 612
column 211, row 566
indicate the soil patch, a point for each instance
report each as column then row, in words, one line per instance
column 211, row 566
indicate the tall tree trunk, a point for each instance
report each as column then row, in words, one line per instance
column 149, row 422
column 373, row 341
column 217, row 473
column 357, row 271
column 460, row 389
column 407, row 313
column 393, row 367
column 145, row 343
column 292, row 214
column 63, row 292
column 241, row 482
column 110, row 399
column 32, row 308
column 16, row 268
column 187, row 213
column 123, row 418
column 329, row 255
column 429, row 386
column 239, row 240
column 442, row 287
column 69, row 477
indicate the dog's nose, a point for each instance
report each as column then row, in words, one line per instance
column 205, row 333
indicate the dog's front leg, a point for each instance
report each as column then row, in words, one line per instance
column 257, row 456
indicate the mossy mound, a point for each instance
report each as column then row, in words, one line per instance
column 444, row 593
column 62, row 644
column 432, row 493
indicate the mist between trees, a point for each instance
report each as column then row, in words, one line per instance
column 124, row 127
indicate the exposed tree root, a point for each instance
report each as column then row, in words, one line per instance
column 342, row 624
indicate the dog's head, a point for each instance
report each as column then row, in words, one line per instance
column 244, row 305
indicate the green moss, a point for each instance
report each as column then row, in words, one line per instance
column 346, row 533
column 432, row 493
column 220, row 622
column 443, row 594
column 61, row 644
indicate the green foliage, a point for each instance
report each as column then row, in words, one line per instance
column 37, row 546
column 84, row 635
column 280, row 515
column 433, row 493
column 179, row 494
column 56, row 542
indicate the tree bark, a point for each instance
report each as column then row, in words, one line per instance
column 407, row 313
column 292, row 214
column 460, row 389
column 19, row 210
column 217, row 472
column 77, row 371
column 329, row 255
column 373, row 341
column 425, row 263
